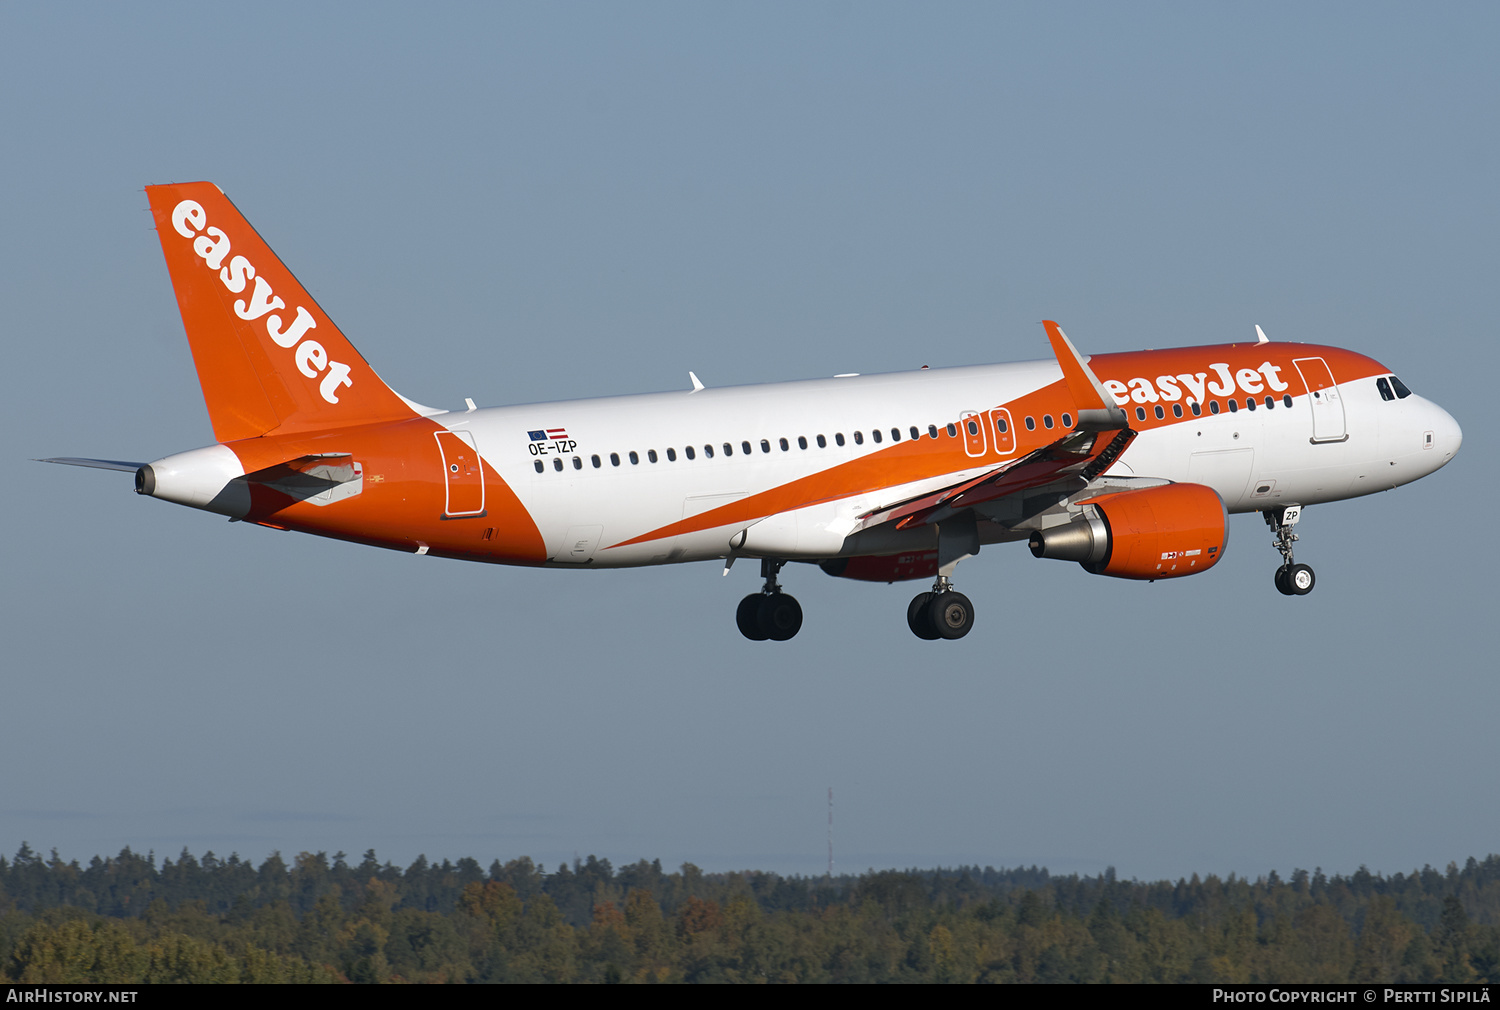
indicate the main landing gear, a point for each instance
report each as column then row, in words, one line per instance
column 769, row 613
column 1292, row 579
column 942, row 613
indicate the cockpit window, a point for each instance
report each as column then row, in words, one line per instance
column 1400, row 387
column 1385, row 389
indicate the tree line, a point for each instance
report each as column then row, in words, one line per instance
column 132, row 918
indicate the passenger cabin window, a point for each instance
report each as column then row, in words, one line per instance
column 671, row 455
column 634, row 459
column 1213, row 406
column 1160, row 414
column 1030, row 423
column 651, row 455
column 1176, row 410
column 952, row 431
column 972, row 425
column 1046, row 420
column 1140, row 413
column 822, row 442
column 1249, row 403
column 874, row 433
column 728, row 449
column 539, row 467
column 1001, row 426
column 1234, row 406
column 577, row 463
column 1270, row 403
column 859, row 438
column 765, row 446
column 557, row 463
column 785, row 445
column 1067, row 420
column 915, row 434
column 932, row 431
column 708, row 452
column 745, row 447
column 895, row 434
column 1286, row 399
column 595, row 460
column 614, row 459
column 1197, row 408
column 802, row 441
column 688, row 451
column 838, row 438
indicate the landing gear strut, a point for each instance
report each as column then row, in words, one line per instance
column 942, row 613
column 769, row 613
column 1292, row 579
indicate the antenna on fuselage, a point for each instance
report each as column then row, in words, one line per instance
column 1260, row 335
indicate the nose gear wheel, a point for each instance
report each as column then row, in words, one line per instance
column 1291, row 579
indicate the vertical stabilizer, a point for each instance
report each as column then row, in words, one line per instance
column 268, row 358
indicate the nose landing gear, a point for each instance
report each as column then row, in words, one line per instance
column 1292, row 579
column 770, row 613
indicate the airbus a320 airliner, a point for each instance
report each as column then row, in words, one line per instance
column 1125, row 463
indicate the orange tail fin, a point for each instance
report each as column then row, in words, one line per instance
column 268, row 357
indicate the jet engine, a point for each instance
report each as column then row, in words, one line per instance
column 1157, row 533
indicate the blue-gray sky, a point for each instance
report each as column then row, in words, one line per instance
column 532, row 202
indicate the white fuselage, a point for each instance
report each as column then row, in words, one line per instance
column 1253, row 459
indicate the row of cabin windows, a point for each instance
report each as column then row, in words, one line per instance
column 1001, row 426
column 1213, row 407
column 877, row 436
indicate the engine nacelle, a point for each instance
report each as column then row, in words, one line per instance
column 1157, row 533
column 887, row 568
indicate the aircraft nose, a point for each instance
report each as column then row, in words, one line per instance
column 1446, row 435
column 1454, row 433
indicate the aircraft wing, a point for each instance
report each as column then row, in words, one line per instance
column 1082, row 455
column 1091, row 448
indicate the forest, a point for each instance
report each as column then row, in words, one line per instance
column 136, row 919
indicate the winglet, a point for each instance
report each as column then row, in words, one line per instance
column 1097, row 410
column 697, row 385
column 1260, row 335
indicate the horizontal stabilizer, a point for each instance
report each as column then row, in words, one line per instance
column 306, row 476
column 98, row 464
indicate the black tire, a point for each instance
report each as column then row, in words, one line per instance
column 916, row 618
column 1281, row 584
column 1300, row 579
column 748, row 618
column 781, row 616
column 951, row 615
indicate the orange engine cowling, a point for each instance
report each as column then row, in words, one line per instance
column 1157, row 533
column 889, row 568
